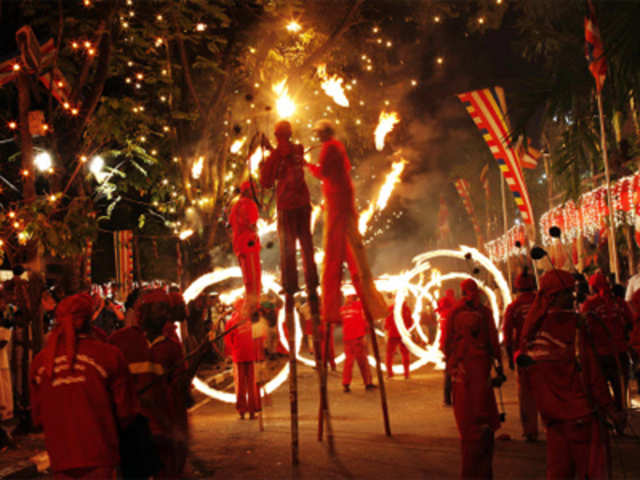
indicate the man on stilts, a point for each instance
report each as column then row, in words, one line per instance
column 284, row 168
column 342, row 241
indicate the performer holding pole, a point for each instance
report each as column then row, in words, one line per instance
column 284, row 167
column 342, row 241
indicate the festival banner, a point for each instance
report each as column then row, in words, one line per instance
column 488, row 110
column 593, row 47
column 122, row 246
column 463, row 188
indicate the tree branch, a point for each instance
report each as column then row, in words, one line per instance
column 326, row 47
column 185, row 65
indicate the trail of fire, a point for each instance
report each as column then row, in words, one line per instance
column 285, row 106
column 255, row 159
column 237, row 145
column 196, row 168
column 392, row 179
column 332, row 86
column 386, row 122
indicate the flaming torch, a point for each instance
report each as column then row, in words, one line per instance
column 284, row 103
column 390, row 182
column 256, row 157
column 332, row 86
column 237, row 145
column 386, row 122
column 196, row 168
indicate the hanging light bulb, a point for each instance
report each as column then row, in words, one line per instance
column 43, row 161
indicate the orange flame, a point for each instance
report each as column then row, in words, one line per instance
column 386, row 122
column 332, row 86
column 284, row 104
column 390, row 182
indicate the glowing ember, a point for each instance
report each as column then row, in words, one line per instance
column 256, row 157
column 237, row 145
column 392, row 179
column 196, row 168
column 265, row 227
column 386, row 122
column 284, row 103
column 332, row 86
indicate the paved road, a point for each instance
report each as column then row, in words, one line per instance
column 424, row 442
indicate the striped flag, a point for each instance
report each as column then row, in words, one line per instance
column 488, row 110
column 528, row 155
column 593, row 48
column 464, row 190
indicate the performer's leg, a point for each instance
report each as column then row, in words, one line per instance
column 347, row 370
column 334, row 254
column 404, row 351
column 306, row 248
column 287, row 236
column 391, row 348
column 528, row 410
column 360, row 350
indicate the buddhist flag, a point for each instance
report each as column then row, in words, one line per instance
column 488, row 110
column 593, row 48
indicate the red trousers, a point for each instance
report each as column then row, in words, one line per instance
column 295, row 225
column 392, row 344
column 247, row 394
column 251, row 277
column 578, row 449
column 342, row 241
column 356, row 349
column 528, row 409
column 477, row 456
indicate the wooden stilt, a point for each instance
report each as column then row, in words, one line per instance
column 376, row 354
column 324, row 418
column 293, row 379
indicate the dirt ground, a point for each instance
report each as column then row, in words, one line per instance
column 424, row 441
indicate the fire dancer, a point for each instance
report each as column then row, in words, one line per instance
column 609, row 320
column 285, row 166
column 246, row 244
column 471, row 347
column 240, row 345
column 570, row 392
column 354, row 328
column 342, row 240
column 394, row 340
column 81, row 395
column 513, row 321
column 445, row 305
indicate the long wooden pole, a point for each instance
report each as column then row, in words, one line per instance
column 376, row 354
column 324, row 417
column 293, row 379
column 613, row 253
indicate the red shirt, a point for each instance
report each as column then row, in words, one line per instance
column 609, row 320
column 470, row 332
column 354, row 324
column 76, row 406
column 239, row 342
column 285, row 166
column 557, row 383
column 243, row 218
column 333, row 168
column 390, row 323
column 146, row 374
column 514, row 319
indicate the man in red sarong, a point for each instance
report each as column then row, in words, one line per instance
column 471, row 347
column 354, row 329
column 81, row 395
column 513, row 321
column 394, row 340
column 445, row 305
column 570, row 391
column 246, row 245
column 285, row 167
column 342, row 239
column 634, row 337
column 241, row 347
column 609, row 320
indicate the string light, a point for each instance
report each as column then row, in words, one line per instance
column 13, row 125
column 43, row 161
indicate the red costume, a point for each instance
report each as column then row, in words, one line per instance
column 354, row 329
column 471, row 346
column 445, row 305
column 567, row 383
column 342, row 239
column 394, row 339
column 241, row 347
column 285, row 167
column 81, row 394
column 513, row 322
column 609, row 320
column 246, row 244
